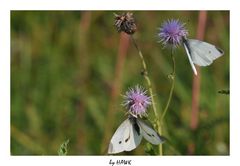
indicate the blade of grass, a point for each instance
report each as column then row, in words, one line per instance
column 26, row 141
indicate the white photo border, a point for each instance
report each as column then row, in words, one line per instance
column 7, row 6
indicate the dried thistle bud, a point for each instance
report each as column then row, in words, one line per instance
column 125, row 22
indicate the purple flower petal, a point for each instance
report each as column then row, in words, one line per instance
column 137, row 101
column 172, row 33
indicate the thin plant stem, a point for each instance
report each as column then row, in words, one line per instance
column 160, row 145
column 145, row 74
column 172, row 77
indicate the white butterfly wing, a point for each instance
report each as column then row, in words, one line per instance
column 134, row 137
column 188, row 51
column 149, row 133
column 202, row 53
column 126, row 138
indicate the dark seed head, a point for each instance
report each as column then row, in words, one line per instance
column 125, row 22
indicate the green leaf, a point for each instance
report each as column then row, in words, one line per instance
column 63, row 148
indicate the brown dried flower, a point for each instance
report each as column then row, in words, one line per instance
column 125, row 22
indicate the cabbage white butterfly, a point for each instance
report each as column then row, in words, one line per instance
column 129, row 135
column 201, row 53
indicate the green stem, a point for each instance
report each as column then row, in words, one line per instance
column 145, row 74
column 172, row 76
column 160, row 145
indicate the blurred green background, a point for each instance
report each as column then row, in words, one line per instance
column 69, row 69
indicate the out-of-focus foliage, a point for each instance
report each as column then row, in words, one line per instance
column 62, row 72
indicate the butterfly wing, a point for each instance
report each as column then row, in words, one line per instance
column 134, row 136
column 202, row 53
column 188, row 51
column 126, row 138
column 149, row 133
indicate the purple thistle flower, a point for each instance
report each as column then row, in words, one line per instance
column 137, row 101
column 172, row 32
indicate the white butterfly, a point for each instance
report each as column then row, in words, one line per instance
column 201, row 53
column 129, row 135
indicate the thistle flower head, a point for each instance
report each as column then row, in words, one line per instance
column 136, row 101
column 172, row 32
column 125, row 22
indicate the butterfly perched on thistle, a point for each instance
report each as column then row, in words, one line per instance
column 173, row 33
column 129, row 134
